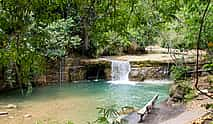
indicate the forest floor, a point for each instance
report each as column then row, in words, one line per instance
column 174, row 114
column 193, row 111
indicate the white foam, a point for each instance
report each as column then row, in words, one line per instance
column 165, row 81
column 125, row 82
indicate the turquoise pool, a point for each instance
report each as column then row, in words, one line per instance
column 78, row 101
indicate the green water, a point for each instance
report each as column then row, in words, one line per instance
column 78, row 101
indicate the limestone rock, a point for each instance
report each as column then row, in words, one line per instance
column 27, row 115
column 176, row 93
column 11, row 117
column 11, row 106
column 204, row 91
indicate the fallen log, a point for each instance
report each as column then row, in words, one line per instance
column 199, row 71
column 3, row 113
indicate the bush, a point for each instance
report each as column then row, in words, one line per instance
column 208, row 67
column 182, row 90
column 191, row 94
column 179, row 72
column 210, row 79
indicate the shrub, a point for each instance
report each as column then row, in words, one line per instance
column 208, row 67
column 182, row 90
column 179, row 72
column 210, row 79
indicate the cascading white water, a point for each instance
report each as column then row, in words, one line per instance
column 120, row 70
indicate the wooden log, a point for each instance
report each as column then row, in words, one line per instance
column 199, row 71
column 3, row 113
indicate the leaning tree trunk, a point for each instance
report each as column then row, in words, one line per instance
column 198, row 48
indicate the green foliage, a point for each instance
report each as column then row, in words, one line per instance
column 31, row 32
column 108, row 111
column 185, row 89
column 191, row 94
column 208, row 66
column 108, row 23
column 49, row 122
column 210, row 79
column 61, row 37
column 179, row 72
column 106, row 114
column 19, row 45
column 110, row 43
column 28, row 38
column 208, row 106
column 69, row 122
column 183, row 29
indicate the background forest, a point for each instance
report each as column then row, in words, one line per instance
column 34, row 31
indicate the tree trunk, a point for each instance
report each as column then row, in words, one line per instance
column 86, row 35
column 18, row 66
column 198, row 48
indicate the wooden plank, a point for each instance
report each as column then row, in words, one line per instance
column 148, row 105
column 199, row 71
column 142, row 112
column 147, row 108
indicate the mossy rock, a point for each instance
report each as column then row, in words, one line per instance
column 147, row 63
column 176, row 93
column 182, row 91
column 210, row 89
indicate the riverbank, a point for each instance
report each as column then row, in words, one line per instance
column 193, row 110
column 163, row 112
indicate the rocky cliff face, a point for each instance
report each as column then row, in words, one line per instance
column 140, row 73
column 75, row 69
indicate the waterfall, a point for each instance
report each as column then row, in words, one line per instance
column 61, row 70
column 120, row 70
